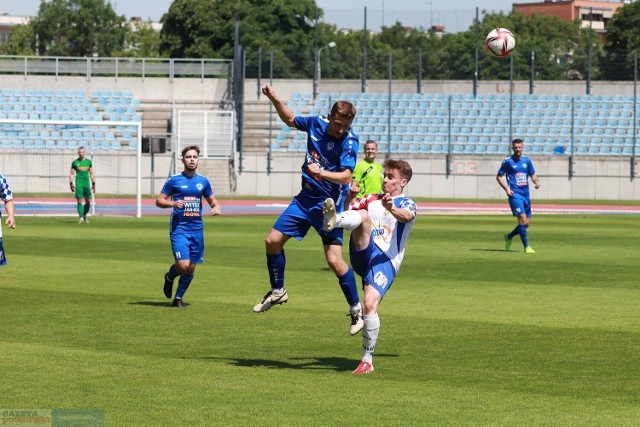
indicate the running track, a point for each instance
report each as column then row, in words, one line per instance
column 124, row 207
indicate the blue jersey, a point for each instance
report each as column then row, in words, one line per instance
column 331, row 154
column 518, row 173
column 191, row 189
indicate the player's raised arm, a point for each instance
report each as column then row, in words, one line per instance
column 285, row 114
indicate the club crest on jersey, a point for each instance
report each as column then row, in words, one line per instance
column 380, row 279
column 199, row 186
column 330, row 145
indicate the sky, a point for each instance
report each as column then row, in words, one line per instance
column 455, row 15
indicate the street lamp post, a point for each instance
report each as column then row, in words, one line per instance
column 330, row 45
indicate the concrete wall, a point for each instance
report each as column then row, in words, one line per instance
column 472, row 177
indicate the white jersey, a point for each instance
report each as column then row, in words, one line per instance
column 389, row 234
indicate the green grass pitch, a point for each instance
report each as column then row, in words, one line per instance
column 470, row 335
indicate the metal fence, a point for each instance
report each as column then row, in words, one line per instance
column 116, row 67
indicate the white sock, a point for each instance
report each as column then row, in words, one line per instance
column 370, row 336
column 349, row 220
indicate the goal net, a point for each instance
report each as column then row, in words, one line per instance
column 36, row 156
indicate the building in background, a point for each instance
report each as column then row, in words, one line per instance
column 594, row 14
column 8, row 22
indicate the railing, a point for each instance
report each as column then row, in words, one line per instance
column 116, row 67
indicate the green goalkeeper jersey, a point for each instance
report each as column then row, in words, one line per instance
column 82, row 168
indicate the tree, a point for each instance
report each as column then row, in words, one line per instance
column 623, row 41
column 142, row 41
column 20, row 42
column 206, row 29
column 79, row 28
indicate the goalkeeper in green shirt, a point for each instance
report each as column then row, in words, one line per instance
column 83, row 182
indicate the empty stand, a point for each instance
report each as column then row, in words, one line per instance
column 70, row 105
column 436, row 123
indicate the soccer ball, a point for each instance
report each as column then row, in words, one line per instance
column 500, row 42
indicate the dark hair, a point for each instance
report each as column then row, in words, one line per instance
column 344, row 109
column 517, row 141
column 400, row 165
column 190, row 147
column 371, row 141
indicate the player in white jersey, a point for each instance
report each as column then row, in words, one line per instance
column 380, row 225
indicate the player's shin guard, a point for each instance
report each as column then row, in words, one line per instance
column 370, row 335
column 349, row 288
column 276, row 264
column 183, row 285
column 80, row 210
column 87, row 208
column 522, row 229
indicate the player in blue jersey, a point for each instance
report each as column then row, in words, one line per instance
column 7, row 197
column 332, row 148
column 380, row 225
column 513, row 177
column 183, row 193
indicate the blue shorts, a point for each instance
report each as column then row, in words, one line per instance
column 304, row 212
column 520, row 206
column 187, row 246
column 373, row 266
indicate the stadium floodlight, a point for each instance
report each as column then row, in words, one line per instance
column 330, row 45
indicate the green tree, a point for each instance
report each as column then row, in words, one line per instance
column 623, row 41
column 143, row 41
column 20, row 41
column 559, row 47
column 206, row 28
column 79, row 28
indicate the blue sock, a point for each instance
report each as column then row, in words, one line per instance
column 172, row 272
column 183, row 285
column 514, row 232
column 276, row 264
column 349, row 288
column 523, row 235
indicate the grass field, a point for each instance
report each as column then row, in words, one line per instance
column 470, row 335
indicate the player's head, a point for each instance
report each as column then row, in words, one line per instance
column 190, row 155
column 517, row 145
column 370, row 150
column 397, row 174
column 340, row 118
column 81, row 152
